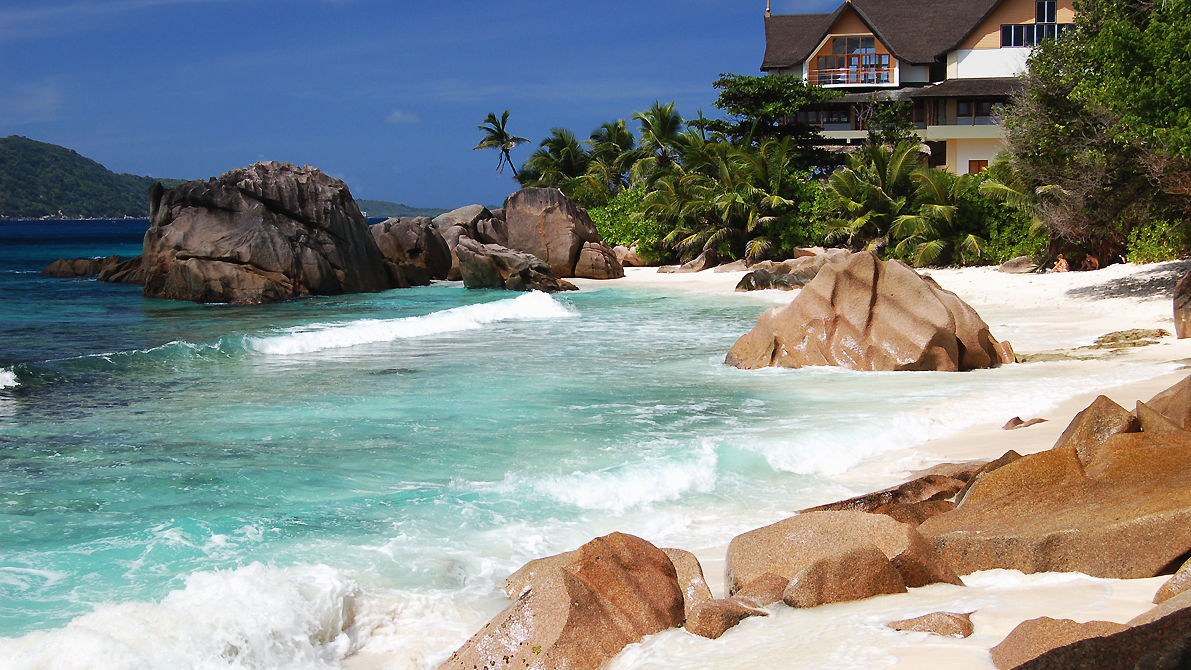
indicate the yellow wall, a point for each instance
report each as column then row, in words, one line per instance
column 849, row 23
column 988, row 34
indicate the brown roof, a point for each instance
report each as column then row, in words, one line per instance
column 917, row 31
column 986, row 87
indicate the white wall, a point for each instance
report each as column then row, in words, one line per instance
column 915, row 73
column 975, row 63
column 975, row 150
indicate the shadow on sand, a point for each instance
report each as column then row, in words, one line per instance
column 1156, row 282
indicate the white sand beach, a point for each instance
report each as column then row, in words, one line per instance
column 1038, row 313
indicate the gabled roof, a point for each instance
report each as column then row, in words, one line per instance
column 917, row 31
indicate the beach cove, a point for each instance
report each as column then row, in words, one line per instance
column 355, row 476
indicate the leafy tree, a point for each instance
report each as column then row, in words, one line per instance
column 888, row 121
column 765, row 107
column 497, row 136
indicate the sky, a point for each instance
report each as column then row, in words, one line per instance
column 383, row 94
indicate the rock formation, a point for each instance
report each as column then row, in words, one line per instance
column 1034, row 637
column 1107, row 501
column 494, row 266
column 267, row 232
column 855, row 572
column 113, row 269
column 947, row 624
column 787, row 547
column 580, row 611
column 868, row 314
column 414, row 250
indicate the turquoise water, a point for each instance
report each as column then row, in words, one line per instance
column 338, row 458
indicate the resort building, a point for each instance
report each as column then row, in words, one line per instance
column 956, row 61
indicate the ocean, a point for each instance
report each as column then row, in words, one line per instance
column 219, row 486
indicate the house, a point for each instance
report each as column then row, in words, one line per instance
column 956, row 61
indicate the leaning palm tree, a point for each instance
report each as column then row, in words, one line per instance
column 497, row 136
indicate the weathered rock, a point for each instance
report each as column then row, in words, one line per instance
column 545, row 223
column 690, row 578
column 1182, row 307
column 627, row 257
column 267, row 232
column 1016, row 422
column 1126, row 339
column 1089, row 430
column 77, row 267
column 868, row 314
column 596, row 261
column 963, row 471
column 739, row 265
column 1124, row 514
column 711, row 618
column 494, row 266
column 415, row 247
column 927, row 487
column 1019, row 265
column 1005, row 459
column 466, row 217
column 1175, row 603
column 611, row 592
column 760, row 280
column 915, row 513
column 763, row 591
column 786, row 547
column 707, row 259
column 1180, row 582
column 1164, row 644
column 1175, row 403
column 1152, row 421
column 1034, row 637
column 947, row 624
column 128, row 271
column 857, row 572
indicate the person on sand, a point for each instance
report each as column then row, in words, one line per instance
column 1090, row 263
column 1061, row 265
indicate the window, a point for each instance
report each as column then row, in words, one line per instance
column 976, row 167
column 852, row 59
column 1044, row 11
column 975, row 112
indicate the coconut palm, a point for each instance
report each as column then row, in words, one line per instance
column 558, row 162
column 871, row 192
column 935, row 229
column 497, row 136
column 661, row 133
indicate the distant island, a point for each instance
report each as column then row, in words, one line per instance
column 43, row 180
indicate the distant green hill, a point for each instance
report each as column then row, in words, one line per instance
column 40, row 179
column 391, row 209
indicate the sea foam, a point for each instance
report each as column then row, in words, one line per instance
column 252, row 617
column 319, row 337
column 8, row 379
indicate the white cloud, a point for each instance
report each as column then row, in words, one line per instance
column 400, row 117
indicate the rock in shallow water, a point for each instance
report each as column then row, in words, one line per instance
column 267, row 232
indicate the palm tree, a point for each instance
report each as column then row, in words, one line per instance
column 661, row 132
column 871, row 192
column 925, row 236
column 559, row 161
column 497, row 136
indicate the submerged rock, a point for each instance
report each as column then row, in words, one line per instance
column 868, row 314
column 947, row 624
column 267, row 232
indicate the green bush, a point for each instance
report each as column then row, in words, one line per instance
column 620, row 223
column 806, row 228
column 1157, row 240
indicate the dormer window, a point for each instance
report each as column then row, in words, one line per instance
column 1044, row 11
column 1033, row 34
column 852, row 59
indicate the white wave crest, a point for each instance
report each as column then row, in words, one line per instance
column 251, row 617
column 624, row 487
column 8, row 379
column 318, row 337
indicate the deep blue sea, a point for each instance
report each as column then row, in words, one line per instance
column 187, row 485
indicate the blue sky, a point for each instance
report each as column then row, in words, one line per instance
column 385, row 95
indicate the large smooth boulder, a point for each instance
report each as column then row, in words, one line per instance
column 77, row 267
column 1174, row 403
column 127, row 271
column 545, row 223
column 1034, row 637
column 465, row 217
column 690, row 578
column 1092, row 426
column 1180, row 582
column 856, row 572
column 712, row 618
column 947, row 624
column 267, row 232
column 1125, row 513
column 917, row 490
column 627, row 256
column 494, row 266
column 761, row 280
column 706, row 260
column 869, row 314
column 787, row 547
column 414, row 247
column 1018, row 265
column 611, row 592
column 597, row 261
